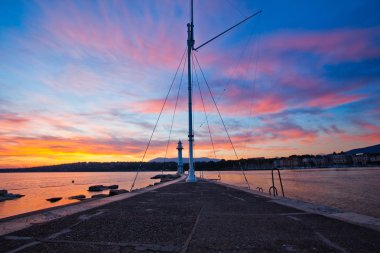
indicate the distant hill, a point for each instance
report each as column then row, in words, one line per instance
column 185, row 160
column 367, row 150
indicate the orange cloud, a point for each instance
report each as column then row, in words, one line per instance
column 52, row 150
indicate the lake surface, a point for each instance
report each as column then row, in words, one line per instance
column 37, row 187
column 350, row 189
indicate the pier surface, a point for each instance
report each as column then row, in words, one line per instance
column 193, row 217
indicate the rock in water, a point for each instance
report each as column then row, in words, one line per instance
column 78, row 197
column 166, row 177
column 99, row 196
column 14, row 196
column 97, row 188
column 52, row 200
column 117, row 192
column 9, row 196
column 3, row 192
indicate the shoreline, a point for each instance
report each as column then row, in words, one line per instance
column 20, row 221
column 23, row 170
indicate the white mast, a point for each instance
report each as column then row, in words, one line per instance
column 190, row 47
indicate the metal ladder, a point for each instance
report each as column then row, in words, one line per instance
column 273, row 188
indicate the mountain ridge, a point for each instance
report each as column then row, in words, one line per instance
column 366, row 150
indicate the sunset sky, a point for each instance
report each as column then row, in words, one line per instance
column 85, row 80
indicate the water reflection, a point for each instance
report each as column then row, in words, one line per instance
column 37, row 187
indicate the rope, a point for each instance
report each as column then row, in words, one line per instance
column 204, row 110
column 221, row 118
column 243, row 53
column 237, row 9
column 175, row 109
column 158, row 119
column 254, row 51
column 238, row 63
column 192, row 74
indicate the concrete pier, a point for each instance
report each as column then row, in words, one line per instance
column 193, row 217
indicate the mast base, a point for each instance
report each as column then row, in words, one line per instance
column 191, row 179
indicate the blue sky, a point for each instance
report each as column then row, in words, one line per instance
column 85, row 80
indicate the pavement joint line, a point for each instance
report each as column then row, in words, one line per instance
column 52, row 236
column 188, row 240
column 87, row 217
column 16, row 238
column 11, row 225
column 141, row 246
column 55, row 235
column 23, row 247
column 330, row 243
column 294, row 214
column 229, row 195
column 294, row 218
column 311, row 208
column 254, row 214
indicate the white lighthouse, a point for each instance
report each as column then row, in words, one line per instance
column 180, row 161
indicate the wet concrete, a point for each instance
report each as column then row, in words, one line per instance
column 193, row 217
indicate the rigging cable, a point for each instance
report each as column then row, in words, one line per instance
column 256, row 52
column 175, row 109
column 221, row 118
column 193, row 133
column 236, row 8
column 235, row 68
column 155, row 126
column 241, row 56
column 204, row 110
column 192, row 74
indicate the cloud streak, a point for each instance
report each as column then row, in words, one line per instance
column 84, row 81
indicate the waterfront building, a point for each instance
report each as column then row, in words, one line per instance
column 339, row 159
column 360, row 159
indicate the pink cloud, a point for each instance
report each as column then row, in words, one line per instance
column 333, row 99
column 79, row 33
column 336, row 45
column 10, row 121
column 232, row 105
column 290, row 75
column 368, row 126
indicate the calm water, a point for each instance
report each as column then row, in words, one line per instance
column 350, row 189
column 355, row 189
column 37, row 187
